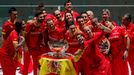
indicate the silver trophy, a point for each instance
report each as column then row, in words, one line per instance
column 58, row 49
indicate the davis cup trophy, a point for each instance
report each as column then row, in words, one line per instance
column 58, row 62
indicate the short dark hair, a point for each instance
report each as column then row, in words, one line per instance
column 71, row 23
column 54, row 11
column 38, row 12
column 18, row 25
column 83, row 13
column 12, row 9
column 66, row 13
column 40, row 7
column 67, row 1
column 128, row 16
column 78, row 17
column 67, row 24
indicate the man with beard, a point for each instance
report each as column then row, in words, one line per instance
column 68, row 8
column 34, row 36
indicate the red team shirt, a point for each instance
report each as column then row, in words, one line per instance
column 8, row 47
column 7, row 54
column 73, row 47
column 72, row 41
column 7, row 27
column 116, row 39
column 130, row 30
column 95, row 62
column 56, row 34
column 61, row 25
column 118, row 46
column 34, row 37
column 96, row 29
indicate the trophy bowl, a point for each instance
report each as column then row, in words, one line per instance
column 58, row 46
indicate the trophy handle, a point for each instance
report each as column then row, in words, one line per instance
column 22, row 39
column 66, row 45
column 50, row 45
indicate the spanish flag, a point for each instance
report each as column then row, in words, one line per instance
column 50, row 66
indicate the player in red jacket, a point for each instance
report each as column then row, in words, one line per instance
column 106, row 17
column 74, row 45
column 129, row 27
column 34, row 36
column 95, row 62
column 120, row 43
column 69, row 19
column 8, row 26
column 86, row 18
column 68, row 8
column 60, row 22
column 81, row 24
column 70, row 36
column 10, row 50
column 54, row 33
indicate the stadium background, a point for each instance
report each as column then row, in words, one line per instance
column 26, row 7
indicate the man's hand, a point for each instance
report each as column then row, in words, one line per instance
column 125, row 55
